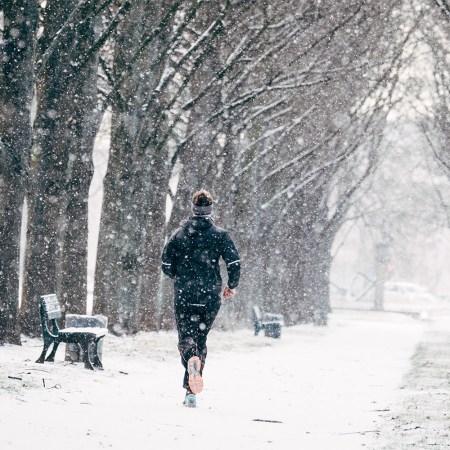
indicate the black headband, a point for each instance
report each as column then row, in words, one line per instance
column 202, row 210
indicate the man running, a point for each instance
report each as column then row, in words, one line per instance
column 191, row 257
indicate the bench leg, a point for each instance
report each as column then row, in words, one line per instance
column 85, row 349
column 47, row 343
column 97, row 363
column 51, row 356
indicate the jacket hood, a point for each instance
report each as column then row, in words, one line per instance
column 195, row 224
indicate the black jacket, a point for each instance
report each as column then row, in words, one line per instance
column 191, row 256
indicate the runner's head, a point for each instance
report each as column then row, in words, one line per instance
column 202, row 203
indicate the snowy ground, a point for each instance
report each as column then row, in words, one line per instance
column 336, row 387
column 420, row 415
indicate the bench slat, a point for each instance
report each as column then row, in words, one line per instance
column 49, row 299
column 92, row 330
column 51, row 306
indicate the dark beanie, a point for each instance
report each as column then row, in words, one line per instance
column 202, row 203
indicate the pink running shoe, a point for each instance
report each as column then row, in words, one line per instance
column 195, row 379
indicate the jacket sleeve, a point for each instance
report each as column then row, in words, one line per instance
column 231, row 257
column 169, row 260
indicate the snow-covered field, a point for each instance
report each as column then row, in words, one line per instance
column 315, row 388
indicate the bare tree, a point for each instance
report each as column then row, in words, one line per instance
column 20, row 21
column 274, row 142
column 131, row 238
column 67, row 120
column 271, row 106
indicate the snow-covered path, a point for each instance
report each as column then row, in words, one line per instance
column 316, row 388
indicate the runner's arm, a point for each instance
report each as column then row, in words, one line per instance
column 168, row 264
column 231, row 257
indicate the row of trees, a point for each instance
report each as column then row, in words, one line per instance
column 395, row 225
column 276, row 107
column 435, row 123
column 403, row 208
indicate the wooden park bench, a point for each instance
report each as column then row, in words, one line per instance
column 50, row 310
column 269, row 322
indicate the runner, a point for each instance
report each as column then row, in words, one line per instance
column 191, row 257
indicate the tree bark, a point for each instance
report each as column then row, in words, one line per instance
column 16, row 94
column 61, row 167
column 135, row 187
column 381, row 273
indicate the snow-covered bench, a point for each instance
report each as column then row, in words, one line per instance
column 270, row 323
column 50, row 310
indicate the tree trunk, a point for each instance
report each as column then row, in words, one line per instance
column 154, row 314
column 16, row 94
column 61, row 166
column 381, row 274
column 307, row 252
column 83, row 127
column 107, row 251
column 135, row 187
